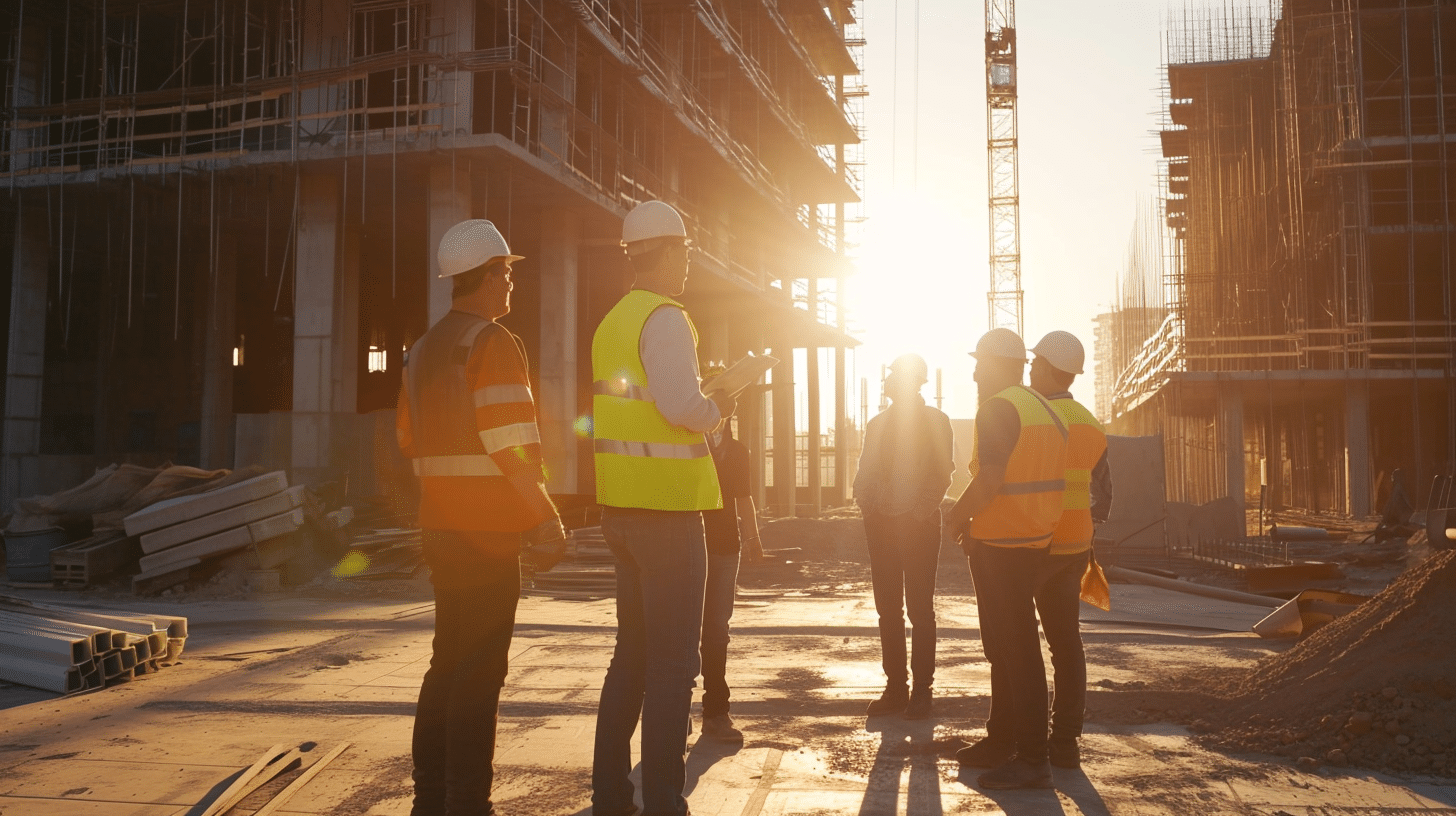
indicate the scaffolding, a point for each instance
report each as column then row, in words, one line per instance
column 1307, row 186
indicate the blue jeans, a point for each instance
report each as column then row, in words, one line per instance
column 455, row 720
column 661, row 569
column 717, row 611
column 1059, row 605
column 904, row 553
column 1005, row 579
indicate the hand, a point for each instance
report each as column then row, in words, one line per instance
column 545, row 545
column 752, row 550
column 726, row 402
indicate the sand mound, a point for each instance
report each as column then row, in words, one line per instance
column 1376, row 688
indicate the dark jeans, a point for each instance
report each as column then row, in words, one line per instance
column 718, row 598
column 904, row 552
column 455, row 719
column 1005, row 579
column 1058, row 604
column 661, row 567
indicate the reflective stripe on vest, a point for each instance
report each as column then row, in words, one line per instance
column 1029, row 504
column 477, row 464
column 1086, row 443
column 642, row 460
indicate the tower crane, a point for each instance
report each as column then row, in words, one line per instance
column 1004, row 297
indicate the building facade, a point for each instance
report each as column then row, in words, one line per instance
column 220, row 219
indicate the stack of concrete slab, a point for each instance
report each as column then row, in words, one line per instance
column 178, row 534
column 67, row 649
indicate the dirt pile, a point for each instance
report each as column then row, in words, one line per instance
column 1375, row 688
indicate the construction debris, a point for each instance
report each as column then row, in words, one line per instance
column 382, row 553
column 67, row 650
column 586, row 572
column 1373, row 688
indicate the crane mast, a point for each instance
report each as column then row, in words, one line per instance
column 1004, row 297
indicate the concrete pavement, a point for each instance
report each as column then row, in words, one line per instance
column 290, row 669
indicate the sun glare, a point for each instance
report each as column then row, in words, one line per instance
column 920, row 288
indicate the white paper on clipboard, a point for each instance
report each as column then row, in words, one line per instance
column 741, row 374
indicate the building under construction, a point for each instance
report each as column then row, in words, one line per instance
column 220, row 217
column 1299, row 330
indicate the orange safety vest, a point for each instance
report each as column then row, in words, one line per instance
column 466, row 416
column 1029, row 504
column 1086, row 443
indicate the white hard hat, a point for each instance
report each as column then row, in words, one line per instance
column 1063, row 350
column 1003, row 343
column 469, row 244
column 648, row 220
column 910, row 367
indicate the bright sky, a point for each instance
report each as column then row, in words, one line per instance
column 1088, row 74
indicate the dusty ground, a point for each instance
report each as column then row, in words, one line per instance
column 341, row 660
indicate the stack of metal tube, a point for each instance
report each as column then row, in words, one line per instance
column 69, row 649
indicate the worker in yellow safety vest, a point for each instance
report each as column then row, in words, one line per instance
column 1006, row 517
column 1058, row 360
column 655, row 476
column 467, row 419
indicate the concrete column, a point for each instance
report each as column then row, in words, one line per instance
column 816, row 473
column 25, row 359
column 316, row 318
column 219, row 333
column 324, row 44
column 1357, row 449
column 842, row 429
column 457, row 87
column 785, row 491
column 347, row 349
column 1231, row 427
column 559, row 262
column 449, row 205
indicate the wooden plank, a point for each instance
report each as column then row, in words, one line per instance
column 235, row 792
column 185, row 508
column 282, row 797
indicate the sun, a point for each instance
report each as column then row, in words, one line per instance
column 920, row 288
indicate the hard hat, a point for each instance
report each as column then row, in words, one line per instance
column 1063, row 350
column 911, row 367
column 648, row 220
column 1003, row 343
column 469, row 244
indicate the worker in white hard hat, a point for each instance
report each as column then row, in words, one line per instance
column 905, row 466
column 655, row 476
column 1005, row 520
column 467, row 419
column 1088, row 498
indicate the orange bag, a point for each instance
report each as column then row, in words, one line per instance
column 1094, row 585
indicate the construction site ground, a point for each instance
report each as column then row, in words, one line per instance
column 340, row 661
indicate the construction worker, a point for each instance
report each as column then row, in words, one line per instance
column 904, row 470
column 1006, row 517
column 1088, row 498
column 467, row 419
column 655, row 476
column 732, row 535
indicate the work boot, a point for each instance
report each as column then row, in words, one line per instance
column 919, row 706
column 1064, row 752
column 892, row 701
column 987, row 752
column 720, row 727
column 1017, row 773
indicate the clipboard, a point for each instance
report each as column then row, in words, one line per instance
column 741, row 374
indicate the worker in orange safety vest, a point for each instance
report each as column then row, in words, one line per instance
column 467, row 419
column 1006, row 517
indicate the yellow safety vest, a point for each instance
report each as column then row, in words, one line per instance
column 1029, row 504
column 642, row 460
column 1086, row 442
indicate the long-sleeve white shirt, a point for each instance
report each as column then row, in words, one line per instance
column 671, row 362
